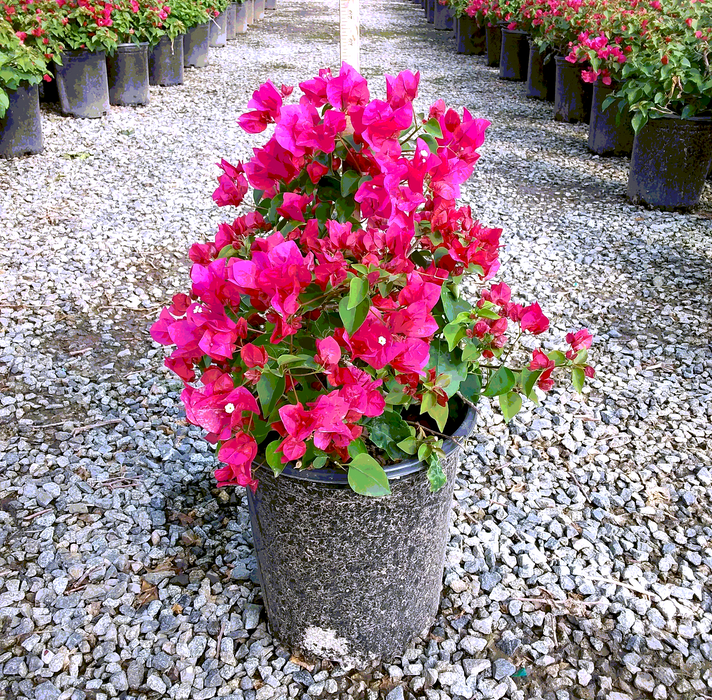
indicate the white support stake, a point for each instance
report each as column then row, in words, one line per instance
column 349, row 32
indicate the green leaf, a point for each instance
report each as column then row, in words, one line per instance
column 274, row 458
column 432, row 127
column 510, row 404
column 638, row 121
column 409, row 445
column 270, row 389
column 487, row 313
column 424, row 452
column 349, row 182
column 440, row 414
column 500, row 382
column 283, row 360
column 528, row 381
column 446, row 362
column 257, row 195
column 453, row 333
column 472, row 387
column 353, row 318
column 558, row 357
column 578, row 377
column 431, row 142
column 436, row 475
column 358, row 291
column 386, row 430
column 366, row 476
column 453, row 306
column 357, row 447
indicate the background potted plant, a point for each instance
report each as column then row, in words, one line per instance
column 22, row 67
column 668, row 88
column 165, row 57
column 327, row 350
column 491, row 15
column 84, row 30
column 196, row 17
column 514, row 58
column 469, row 34
column 218, row 22
column 138, row 24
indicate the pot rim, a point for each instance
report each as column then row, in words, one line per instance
column 393, row 471
column 82, row 52
column 130, row 47
column 514, row 31
column 677, row 117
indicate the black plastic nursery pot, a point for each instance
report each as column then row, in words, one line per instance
column 493, row 40
column 431, row 11
column 610, row 132
column 541, row 75
column 671, row 157
column 128, row 75
column 196, row 42
column 230, row 31
column 259, row 9
column 165, row 62
column 514, row 55
column 240, row 18
column 21, row 125
column 443, row 17
column 470, row 36
column 218, row 30
column 83, row 84
column 572, row 98
column 250, row 8
column 348, row 577
column 270, row 4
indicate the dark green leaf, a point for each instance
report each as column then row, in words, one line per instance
column 510, row 404
column 358, row 291
column 445, row 362
column 500, row 382
column 432, row 127
column 270, row 389
column 349, row 182
column 471, row 387
column 366, row 476
column 357, row 447
column 453, row 333
column 452, row 306
column 528, row 381
column 386, row 430
column 431, row 142
column 353, row 318
column 274, row 458
column 436, row 475
column 578, row 377
column 440, row 414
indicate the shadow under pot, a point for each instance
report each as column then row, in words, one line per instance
column 541, row 74
column 48, row 89
column 83, row 83
column 470, row 36
column 165, row 62
column 514, row 55
column 218, row 30
column 610, row 132
column 572, row 99
column 671, row 157
column 240, row 18
column 128, row 75
column 195, row 46
column 493, row 39
column 347, row 577
column 21, row 125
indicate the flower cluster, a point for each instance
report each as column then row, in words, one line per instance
column 326, row 325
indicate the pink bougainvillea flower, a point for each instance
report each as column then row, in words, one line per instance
column 533, row 320
column 328, row 352
column 238, row 454
column 254, row 356
column 540, row 361
column 232, row 187
column 401, row 89
column 266, row 102
column 294, row 206
column 347, row 89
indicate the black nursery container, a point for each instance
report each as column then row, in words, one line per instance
column 128, row 75
column 347, row 577
column 21, row 125
column 196, row 42
column 514, row 55
column 218, row 30
column 443, row 17
column 493, row 36
column 48, row 89
column 230, row 25
column 572, row 100
column 470, row 36
column 610, row 131
column 431, row 11
column 541, row 75
column 165, row 62
column 83, row 84
column 671, row 157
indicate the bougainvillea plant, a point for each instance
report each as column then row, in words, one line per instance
column 326, row 326
column 138, row 21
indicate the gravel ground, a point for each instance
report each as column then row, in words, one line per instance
column 580, row 552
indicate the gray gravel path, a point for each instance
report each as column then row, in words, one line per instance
column 580, row 555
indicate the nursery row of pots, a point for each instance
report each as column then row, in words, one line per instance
column 670, row 156
column 86, row 82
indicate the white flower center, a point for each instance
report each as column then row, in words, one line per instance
column 229, row 407
column 198, row 310
column 381, row 340
column 424, row 153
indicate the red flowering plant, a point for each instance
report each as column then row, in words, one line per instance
column 137, row 21
column 458, row 7
column 326, row 327
column 486, row 11
column 191, row 12
column 555, row 24
column 669, row 72
column 81, row 24
column 21, row 64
